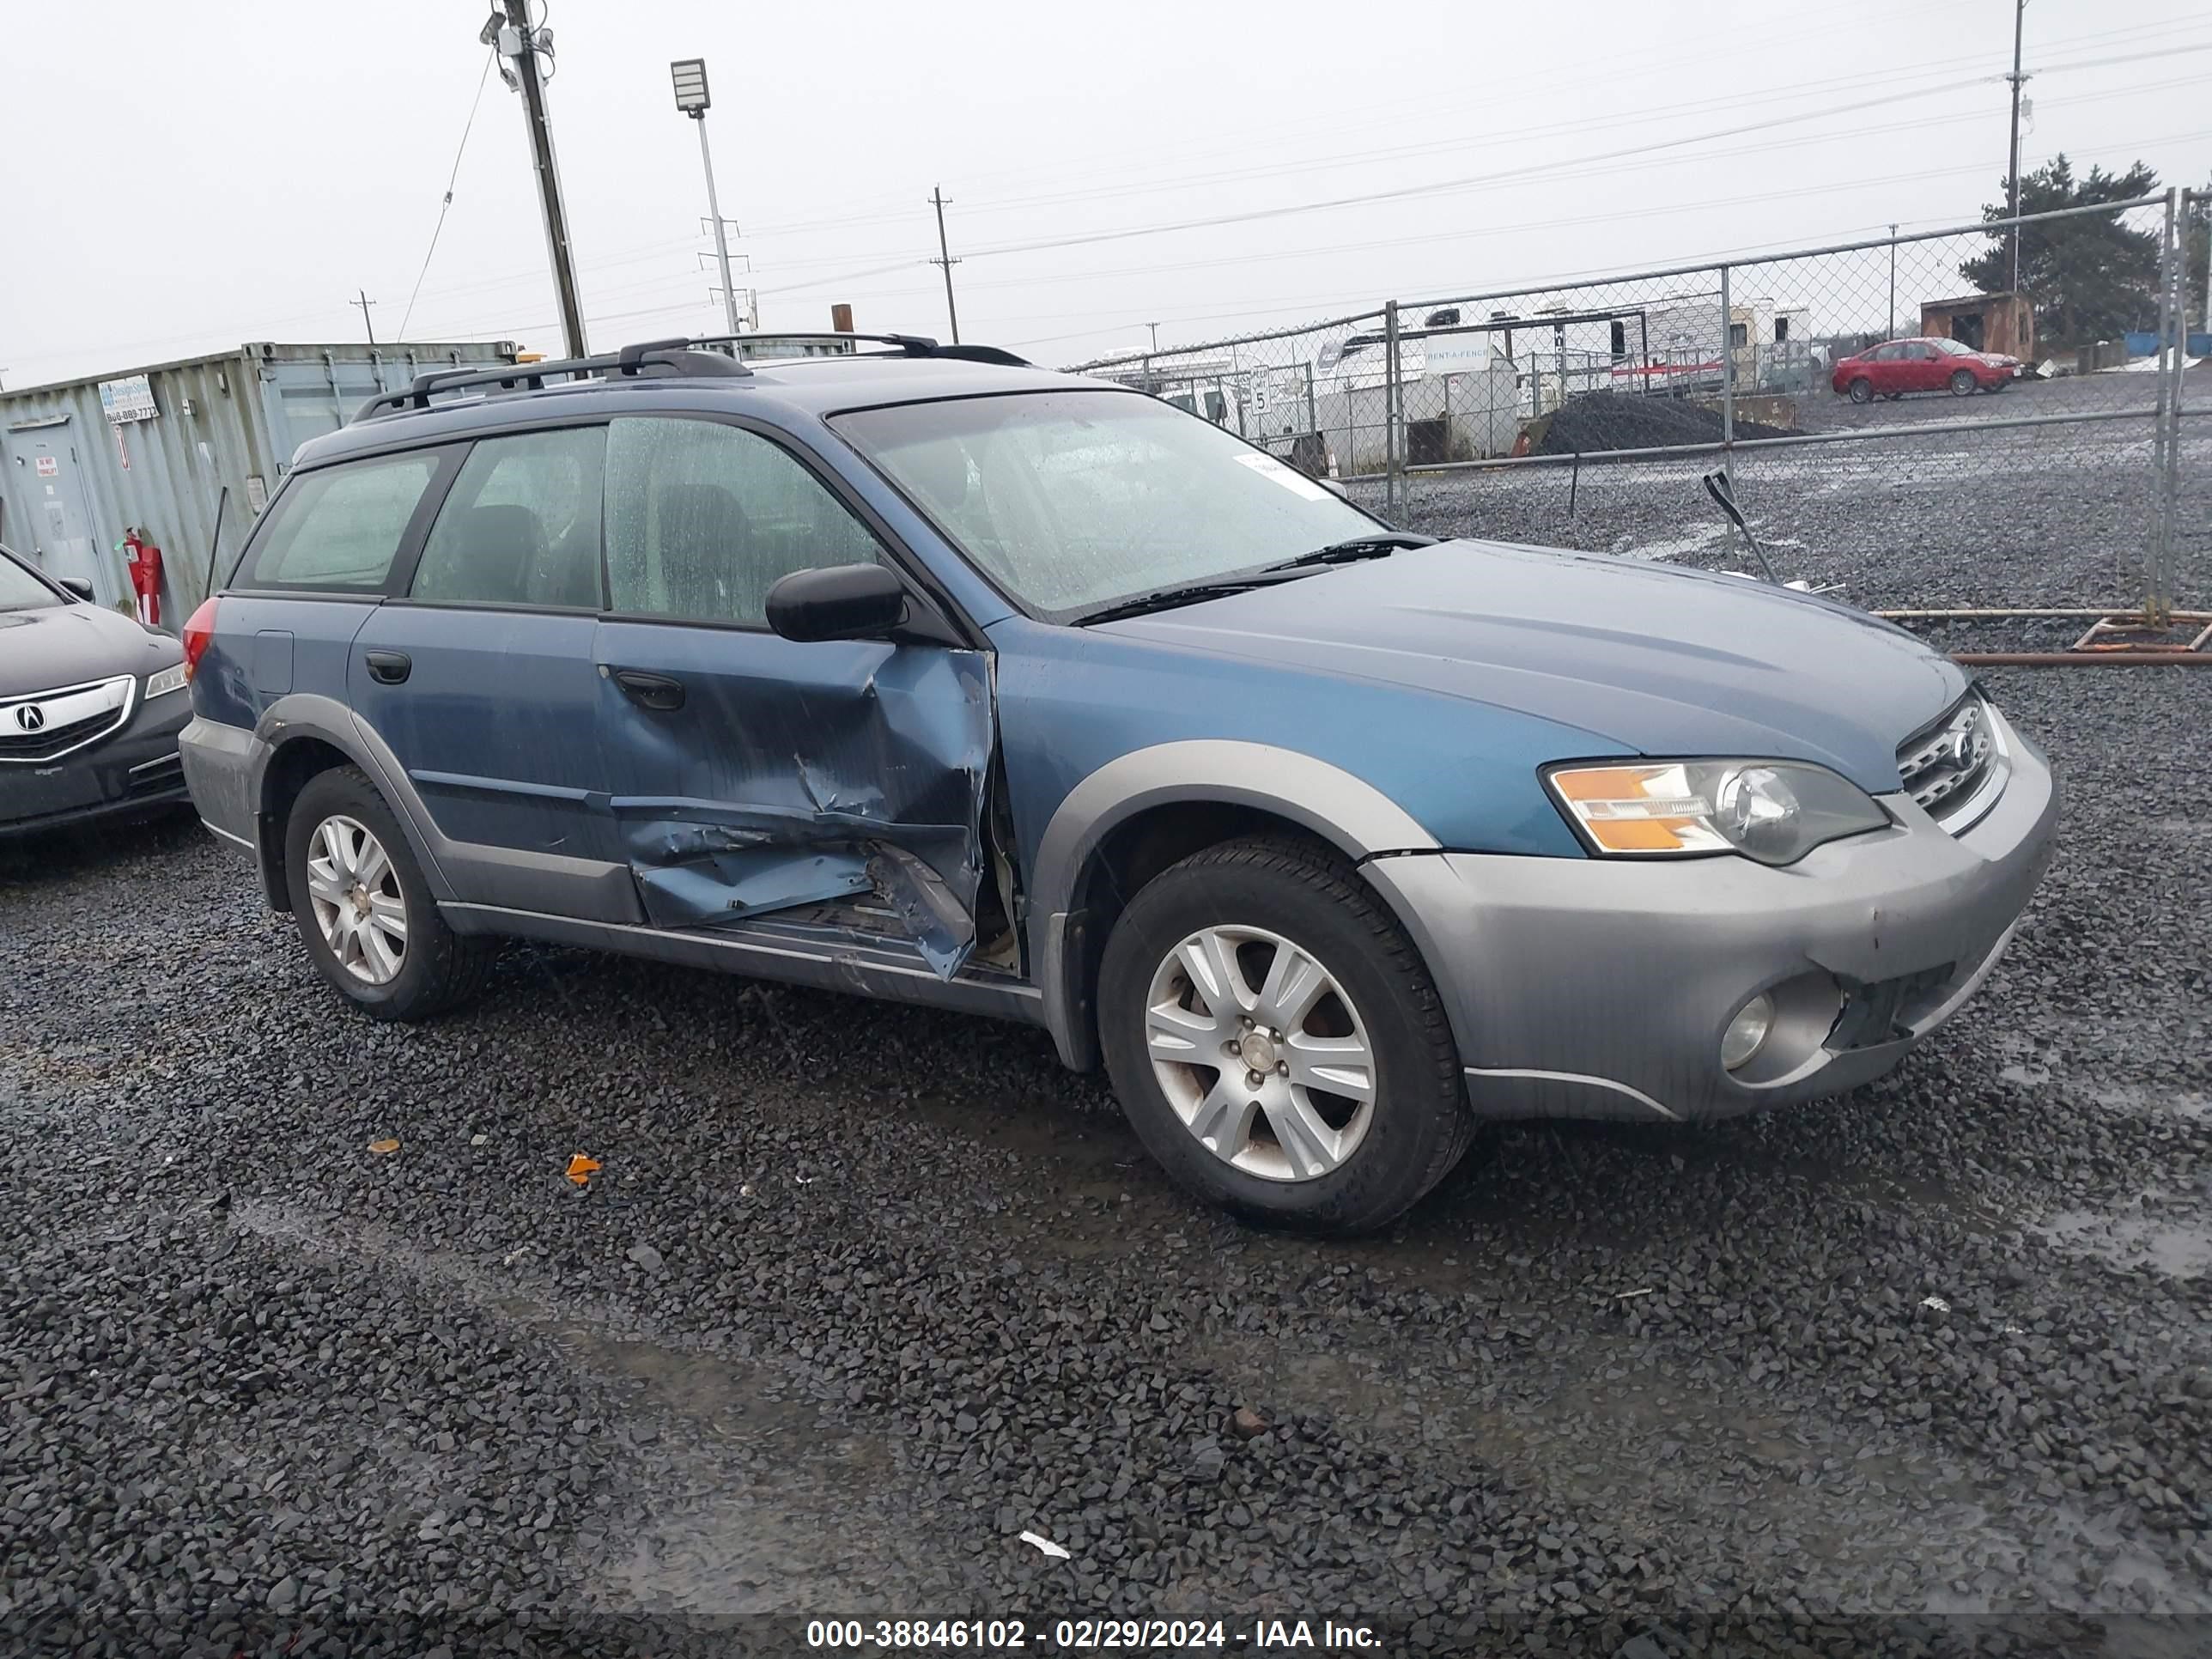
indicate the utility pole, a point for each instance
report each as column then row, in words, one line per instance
column 945, row 259
column 520, row 46
column 690, row 75
column 2012, row 172
column 1155, row 327
column 365, row 302
column 1893, row 281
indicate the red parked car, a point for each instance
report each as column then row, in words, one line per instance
column 1897, row 367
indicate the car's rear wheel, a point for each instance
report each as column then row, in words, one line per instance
column 1861, row 391
column 1963, row 384
column 364, row 911
column 1277, row 1041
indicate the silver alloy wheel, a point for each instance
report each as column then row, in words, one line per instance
column 1261, row 1053
column 357, row 898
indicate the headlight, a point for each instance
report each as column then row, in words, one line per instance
column 1775, row 811
column 167, row 680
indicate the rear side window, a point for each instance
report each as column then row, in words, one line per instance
column 340, row 526
column 521, row 525
column 703, row 519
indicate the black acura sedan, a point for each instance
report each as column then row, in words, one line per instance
column 91, row 702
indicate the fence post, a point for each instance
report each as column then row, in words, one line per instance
column 1728, row 385
column 1391, row 393
column 2166, row 449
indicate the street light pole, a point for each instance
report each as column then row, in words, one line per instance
column 521, row 45
column 721, row 236
column 689, row 76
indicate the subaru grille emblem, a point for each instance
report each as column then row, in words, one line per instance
column 31, row 717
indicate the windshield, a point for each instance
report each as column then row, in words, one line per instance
column 20, row 590
column 1952, row 348
column 1072, row 500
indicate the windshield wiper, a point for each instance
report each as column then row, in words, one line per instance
column 1380, row 545
column 1167, row 598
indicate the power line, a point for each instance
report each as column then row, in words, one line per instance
column 452, row 180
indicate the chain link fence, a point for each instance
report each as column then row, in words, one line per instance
column 1992, row 417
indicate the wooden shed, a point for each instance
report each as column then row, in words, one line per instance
column 2002, row 322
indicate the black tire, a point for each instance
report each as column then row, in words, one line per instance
column 438, row 969
column 1861, row 391
column 1419, row 1125
column 1963, row 383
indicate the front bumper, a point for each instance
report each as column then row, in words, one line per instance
column 134, row 769
column 1587, row 988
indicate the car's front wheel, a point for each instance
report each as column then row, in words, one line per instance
column 1861, row 391
column 364, row 911
column 1277, row 1041
column 1963, row 383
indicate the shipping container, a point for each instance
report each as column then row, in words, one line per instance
column 187, row 453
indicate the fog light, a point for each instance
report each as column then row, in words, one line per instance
column 1748, row 1031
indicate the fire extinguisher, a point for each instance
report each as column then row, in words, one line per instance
column 145, row 562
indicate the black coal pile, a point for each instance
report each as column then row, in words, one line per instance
column 1599, row 421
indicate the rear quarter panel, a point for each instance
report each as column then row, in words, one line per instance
column 265, row 649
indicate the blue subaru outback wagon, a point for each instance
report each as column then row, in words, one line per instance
column 922, row 673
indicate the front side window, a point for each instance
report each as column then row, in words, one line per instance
column 20, row 591
column 339, row 527
column 703, row 519
column 1074, row 500
column 521, row 525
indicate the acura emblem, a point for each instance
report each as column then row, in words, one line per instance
column 31, row 717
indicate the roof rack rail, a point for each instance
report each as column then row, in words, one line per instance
column 667, row 356
column 906, row 345
column 696, row 354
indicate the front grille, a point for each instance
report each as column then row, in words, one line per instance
column 1955, row 769
column 47, row 724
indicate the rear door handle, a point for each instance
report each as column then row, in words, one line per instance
column 654, row 691
column 388, row 667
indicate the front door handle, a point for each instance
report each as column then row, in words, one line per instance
column 388, row 667
column 654, row 691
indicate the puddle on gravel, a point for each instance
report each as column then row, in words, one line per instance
column 2155, row 1231
column 749, row 1505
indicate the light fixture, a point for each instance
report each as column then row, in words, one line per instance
column 1747, row 1033
column 690, row 75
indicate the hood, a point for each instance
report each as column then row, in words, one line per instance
column 1652, row 658
column 66, row 644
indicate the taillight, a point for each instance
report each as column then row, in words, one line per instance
column 198, row 632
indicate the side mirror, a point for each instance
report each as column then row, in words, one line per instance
column 843, row 602
column 78, row 586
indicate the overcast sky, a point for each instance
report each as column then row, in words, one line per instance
column 186, row 177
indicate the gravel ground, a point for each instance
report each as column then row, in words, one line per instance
column 861, row 1293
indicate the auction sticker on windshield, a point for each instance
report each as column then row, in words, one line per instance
column 1291, row 479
